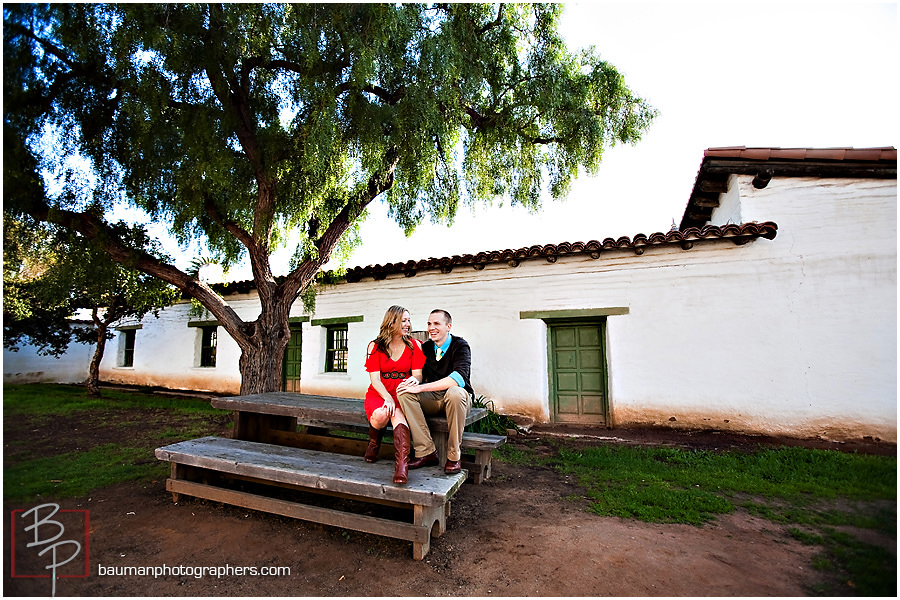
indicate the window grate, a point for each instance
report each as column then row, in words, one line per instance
column 336, row 352
column 208, row 346
column 128, row 348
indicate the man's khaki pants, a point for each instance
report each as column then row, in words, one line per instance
column 455, row 402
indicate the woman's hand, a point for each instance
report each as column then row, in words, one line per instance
column 389, row 407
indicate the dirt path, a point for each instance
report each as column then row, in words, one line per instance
column 517, row 535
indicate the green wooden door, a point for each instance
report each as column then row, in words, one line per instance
column 578, row 373
column 290, row 372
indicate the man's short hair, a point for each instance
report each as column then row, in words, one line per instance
column 447, row 316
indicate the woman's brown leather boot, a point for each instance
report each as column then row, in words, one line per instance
column 374, row 444
column 401, row 453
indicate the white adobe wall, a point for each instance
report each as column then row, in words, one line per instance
column 167, row 353
column 835, row 267
column 26, row 366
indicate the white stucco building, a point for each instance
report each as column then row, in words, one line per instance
column 772, row 309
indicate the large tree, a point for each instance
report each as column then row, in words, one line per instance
column 239, row 124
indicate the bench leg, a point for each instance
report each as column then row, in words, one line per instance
column 480, row 469
column 176, row 471
column 440, row 446
column 483, row 459
column 434, row 519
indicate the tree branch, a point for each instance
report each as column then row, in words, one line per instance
column 95, row 229
column 45, row 44
column 391, row 98
column 233, row 101
column 232, row 227
column 378, row 183
column 495, row 23
column 320, row 69
column 478, row 120
column 233, row 95
column 75, row 70
column 256, row 250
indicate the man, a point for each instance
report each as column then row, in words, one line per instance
column 444, row 388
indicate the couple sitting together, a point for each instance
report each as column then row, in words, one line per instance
column 411, row 381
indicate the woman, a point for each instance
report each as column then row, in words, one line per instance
column 391, row 358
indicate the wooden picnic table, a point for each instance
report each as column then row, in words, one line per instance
column 268, row 452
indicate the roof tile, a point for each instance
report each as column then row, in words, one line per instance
column 861, row 154
column 756, row 153
column 739, row 234
column 826, row 154
column 789, row 153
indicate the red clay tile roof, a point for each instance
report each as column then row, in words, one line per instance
column 764, row 163
column 845, row 154
column 739, row 234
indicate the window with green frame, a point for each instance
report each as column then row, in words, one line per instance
column 208, row 345
column 336, row 349
column 128, row 347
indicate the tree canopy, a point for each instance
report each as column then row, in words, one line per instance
column 240, row 124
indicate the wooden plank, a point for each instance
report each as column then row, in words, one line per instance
column 227, row 479
column 481, row 441
column 326, row 516
column 480, row 444
column 425, row 516
column 324, row 443
column 357, row 447
column 309, row 408
column 478, row 472
column 439, row 423
column 255, row 426
column 313, row 469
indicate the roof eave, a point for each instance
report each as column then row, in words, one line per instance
column 765, row 163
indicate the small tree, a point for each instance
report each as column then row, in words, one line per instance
column 240, row 124
column 50, row 278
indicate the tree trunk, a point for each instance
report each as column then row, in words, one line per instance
column 93, row 382
column 263, row 351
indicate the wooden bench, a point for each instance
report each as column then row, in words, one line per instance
column 476, row 448
column 273, row 418
column 213, row 468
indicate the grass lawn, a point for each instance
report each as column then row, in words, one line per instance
column 824, row 496
column 60, row 442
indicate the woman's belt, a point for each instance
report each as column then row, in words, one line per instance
column 394, row 374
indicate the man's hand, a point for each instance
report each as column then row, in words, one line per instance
column 410, row 385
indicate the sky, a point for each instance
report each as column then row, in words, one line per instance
column 755, row 74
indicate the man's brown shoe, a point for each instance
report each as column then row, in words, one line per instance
column 452, row 467
column 428, row 459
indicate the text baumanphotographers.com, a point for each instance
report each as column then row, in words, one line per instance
column 193, row 571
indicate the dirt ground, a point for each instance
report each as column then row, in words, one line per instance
column 524, row 532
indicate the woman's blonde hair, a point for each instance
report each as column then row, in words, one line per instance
column 393, row 316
